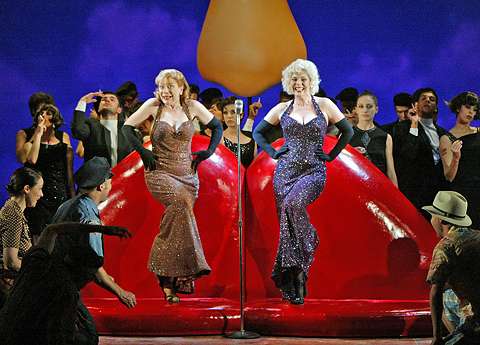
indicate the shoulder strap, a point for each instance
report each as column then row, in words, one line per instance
column 451, row 137
column 156, row 119
column 318, row 111
column 187, row 111
column 59, row 135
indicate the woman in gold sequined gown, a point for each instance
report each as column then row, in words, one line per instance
column 176, row 256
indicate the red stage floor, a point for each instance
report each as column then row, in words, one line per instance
column 218, row 340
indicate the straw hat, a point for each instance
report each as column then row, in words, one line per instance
column 451, row 207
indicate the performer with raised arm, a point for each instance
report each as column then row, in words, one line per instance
column 301, row 171
column 176, row 256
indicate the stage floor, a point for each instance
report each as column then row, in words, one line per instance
column 219, row 340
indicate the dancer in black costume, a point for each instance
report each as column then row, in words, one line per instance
column 42, row 306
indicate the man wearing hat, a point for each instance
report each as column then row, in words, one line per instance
column 94, row 184
column 455, row 264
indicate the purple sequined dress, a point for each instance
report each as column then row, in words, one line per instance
column 298, row 180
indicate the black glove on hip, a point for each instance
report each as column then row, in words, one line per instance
column 217, row 132
column 147, row 156
column 259, row 136
column 346, row 131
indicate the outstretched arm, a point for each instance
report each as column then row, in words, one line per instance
column 106, row 281
column 148, row 108
column 49, row 235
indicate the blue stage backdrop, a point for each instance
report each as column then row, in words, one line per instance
column 68, row 48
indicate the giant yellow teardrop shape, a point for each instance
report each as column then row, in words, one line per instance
column 245, row 44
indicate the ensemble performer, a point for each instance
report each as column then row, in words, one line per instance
column 300, row 174
column 25, row 189
column 460, row 152
column 176, row 256
column 42, row 308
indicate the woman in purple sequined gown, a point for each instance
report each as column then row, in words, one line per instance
column 300, row 174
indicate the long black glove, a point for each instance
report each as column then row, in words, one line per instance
column 346, row 131
column 259, row 136
column 217, row 132
column 147, row 156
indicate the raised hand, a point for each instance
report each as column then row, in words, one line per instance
column 253, row 109
column 41, row 127
column 91, row 97
column 456, row 149
column 413, row 115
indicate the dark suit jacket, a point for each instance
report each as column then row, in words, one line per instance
column 388, row 127
column 96, row 138
column 418, row 176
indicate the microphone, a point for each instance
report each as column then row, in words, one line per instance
column 238, row 110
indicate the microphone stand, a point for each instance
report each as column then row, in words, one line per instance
column 242, row 333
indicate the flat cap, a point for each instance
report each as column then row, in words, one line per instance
column 93, row 173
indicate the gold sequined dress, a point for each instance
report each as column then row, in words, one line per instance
column 177, row 253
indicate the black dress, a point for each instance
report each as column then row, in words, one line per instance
column 247, row 150
column 52, row 163
column 374, row 141
column 467, row 180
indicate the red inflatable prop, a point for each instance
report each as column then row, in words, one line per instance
column 367, row 278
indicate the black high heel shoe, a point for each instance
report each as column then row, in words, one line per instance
column 300, row 289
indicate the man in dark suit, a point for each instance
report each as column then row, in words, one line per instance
column 101, row 137
column 416, row 150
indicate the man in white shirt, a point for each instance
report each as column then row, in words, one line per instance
column 416, row 150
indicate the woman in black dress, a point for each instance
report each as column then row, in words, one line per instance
column 248, row 147
column 460, row 151
column 370, row 140
column 48, row 150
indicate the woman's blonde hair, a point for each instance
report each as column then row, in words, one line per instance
column 179, row 78
column 297, row 66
